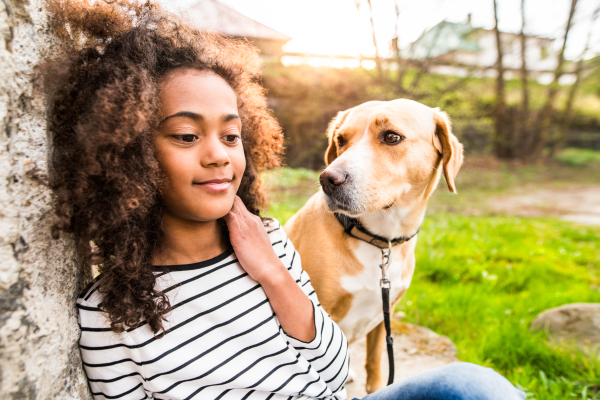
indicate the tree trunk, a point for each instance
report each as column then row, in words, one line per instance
column 357, row 4
column 377, row 58
column 501, row 141
column 563, row 134
column 523, row 131
column 544, row 120
column 40, row 278
column 396, row 48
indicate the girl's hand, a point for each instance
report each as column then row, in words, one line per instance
column 253, row 249
column 252, row 244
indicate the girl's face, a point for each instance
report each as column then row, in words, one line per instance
column 198, row 145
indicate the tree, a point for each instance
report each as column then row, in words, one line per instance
column 357, row 5
column 563, row 133
column 502, row 145
column 377, row 58
column 523, row 131
column 545, row 115
column 396, row 51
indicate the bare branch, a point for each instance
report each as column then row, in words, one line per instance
column 568, row 111
column 377, row 58
column 543, row 125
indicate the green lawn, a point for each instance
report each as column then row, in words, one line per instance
column 480, row 280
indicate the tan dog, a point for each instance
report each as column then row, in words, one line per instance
column 383, row 163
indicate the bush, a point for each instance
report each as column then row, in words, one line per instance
column 305, row 100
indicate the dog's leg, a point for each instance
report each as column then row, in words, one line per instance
column 375, row 342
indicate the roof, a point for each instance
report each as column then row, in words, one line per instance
column 447, row 37
column 444, row 38
column 215, row 16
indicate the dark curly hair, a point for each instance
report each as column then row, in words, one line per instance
column 103, row 99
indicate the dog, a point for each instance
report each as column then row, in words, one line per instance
column 384, row 160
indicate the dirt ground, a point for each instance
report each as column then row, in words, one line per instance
column 576, row 203
column 416, row 349
column 487, row 186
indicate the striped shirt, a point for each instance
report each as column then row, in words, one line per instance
column 222, row 341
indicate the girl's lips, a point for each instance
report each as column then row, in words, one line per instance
column 215, row 186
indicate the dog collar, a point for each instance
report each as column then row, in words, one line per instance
column 354, row 228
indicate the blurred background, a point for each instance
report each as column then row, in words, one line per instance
column 520, row 80
column 321, row 57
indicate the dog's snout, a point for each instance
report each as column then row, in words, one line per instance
column 332, row 179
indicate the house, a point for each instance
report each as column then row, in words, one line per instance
column 456, row 48
column 215, row 16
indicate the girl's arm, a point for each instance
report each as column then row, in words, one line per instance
column 308, row 328
column 253, row 249
column 111, row 361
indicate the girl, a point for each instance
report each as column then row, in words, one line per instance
column 159, row 131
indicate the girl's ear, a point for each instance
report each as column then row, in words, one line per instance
column 334, row 125
column 448, row 146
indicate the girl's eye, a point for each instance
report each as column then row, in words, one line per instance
column 186, row 138
column 231, row 139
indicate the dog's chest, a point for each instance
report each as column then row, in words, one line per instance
column 366, row 311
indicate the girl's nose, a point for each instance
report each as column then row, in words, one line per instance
column 213, row 153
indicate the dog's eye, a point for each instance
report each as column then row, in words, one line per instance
column 391, row 138
column 341, row 141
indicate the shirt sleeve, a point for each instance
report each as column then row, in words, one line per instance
column 328, row 351
column 110, row 360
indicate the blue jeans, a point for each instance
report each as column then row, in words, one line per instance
column 456, row 381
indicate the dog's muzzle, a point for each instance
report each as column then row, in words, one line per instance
column 339, row 190
column 333, row 181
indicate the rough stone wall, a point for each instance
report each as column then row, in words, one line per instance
column 39, row 279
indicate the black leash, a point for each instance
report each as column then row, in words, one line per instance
column 386, row 260
column 354, row 228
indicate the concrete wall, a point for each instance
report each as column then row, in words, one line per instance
column 39, row 279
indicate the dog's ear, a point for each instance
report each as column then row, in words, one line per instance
column 448, row 146
column 334, row 125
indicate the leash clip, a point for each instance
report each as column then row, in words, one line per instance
column 386, row 260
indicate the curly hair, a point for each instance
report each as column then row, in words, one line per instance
column 103, row 99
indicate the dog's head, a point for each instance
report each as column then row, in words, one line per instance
column 383, row 154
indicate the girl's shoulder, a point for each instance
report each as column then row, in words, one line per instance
column 90, row 295
column 274, row 229
column 271, row 224
column 93, row 320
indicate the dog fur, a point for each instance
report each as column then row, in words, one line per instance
column 386, row 188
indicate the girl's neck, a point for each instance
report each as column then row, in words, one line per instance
column 187, row 242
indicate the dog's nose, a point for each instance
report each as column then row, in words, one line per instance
column 332, row 179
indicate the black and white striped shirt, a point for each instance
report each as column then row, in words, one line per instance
column 222, row 341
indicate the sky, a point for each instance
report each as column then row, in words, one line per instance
column 337, row 27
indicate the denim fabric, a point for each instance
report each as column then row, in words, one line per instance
column 456, row 381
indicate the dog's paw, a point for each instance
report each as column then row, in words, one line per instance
column 373, row 384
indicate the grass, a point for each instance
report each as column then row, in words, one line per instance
column 481, row 279
column 288, row 189
column 579, row 158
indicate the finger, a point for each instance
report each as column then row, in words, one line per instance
column 233, row 222
column 247, row 214
column 239, row 204
column 235, row 209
